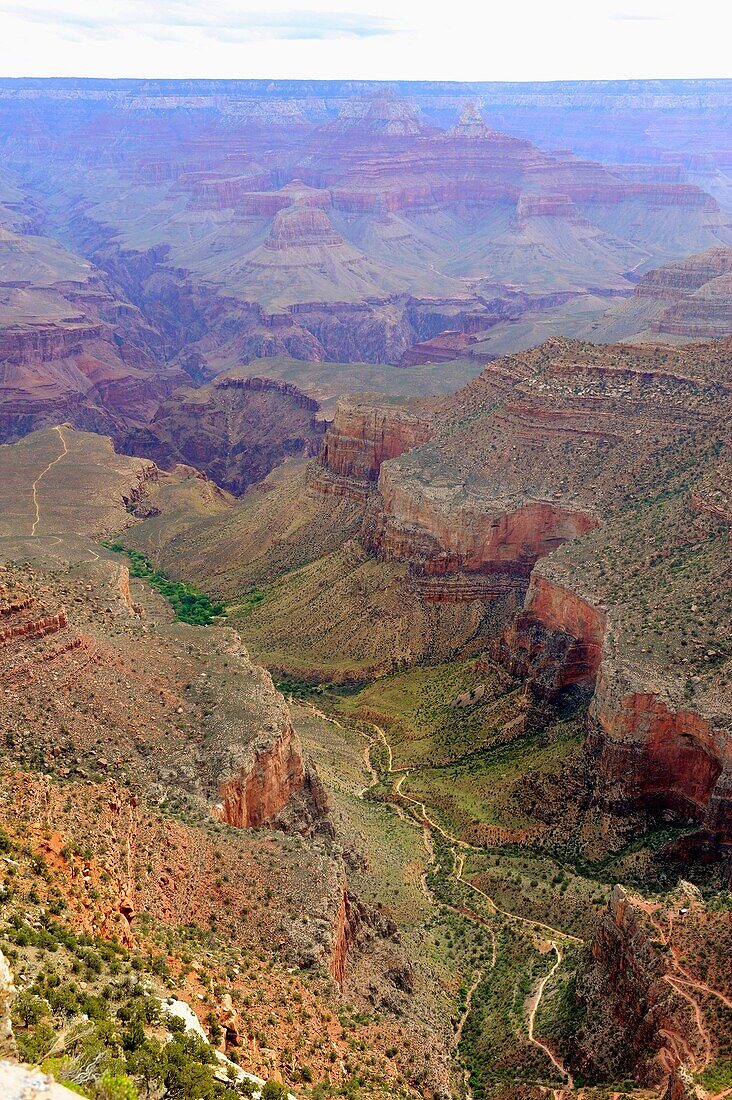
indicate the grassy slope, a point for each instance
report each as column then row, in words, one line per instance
column 326, row 382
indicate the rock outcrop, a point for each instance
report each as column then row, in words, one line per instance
column 704, row 314
column 7, row 993
column 364, row 434
column 633, row 1021
column 653, row 752
column 25, row 1083
column 342, row 938
column 694, row 295
column 381, row 114
column 277, row 787
column 264, row 784
column 683, row 277
column 303, row 227
column 547, row 206
column 31, row 627
column 556, row 642
column 254, row 758
column 444, row 529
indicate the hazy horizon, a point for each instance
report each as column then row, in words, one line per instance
column 379, row 40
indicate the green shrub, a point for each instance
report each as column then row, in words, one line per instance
column 273, row 1090
column 115, row 1086
column 189, row 604
column 28, row 1010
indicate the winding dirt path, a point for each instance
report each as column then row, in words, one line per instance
column 454, row 840
column 534, row 1003
column 34, row 487
column 373, row 774
column 700, row 985
column 60, row 542
column 513, row 916
column 458, row 867
column 458, row 848
column 460, row 864
column 679, row 981
column 700, row 1025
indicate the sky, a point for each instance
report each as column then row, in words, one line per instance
column 367, row 39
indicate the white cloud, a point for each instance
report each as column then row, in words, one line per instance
column 361, row 39
column 214, row 19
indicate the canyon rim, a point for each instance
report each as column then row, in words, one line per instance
column 365, row 555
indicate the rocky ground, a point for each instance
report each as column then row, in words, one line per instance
column 573, row 733
column 410, row 853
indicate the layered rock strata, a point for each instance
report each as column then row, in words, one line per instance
column 442, row 530
column 275, row 786
column 652, row 752
column 364, row 434
column 588, row 430
column 234, row 429
column 556, row 641
column 634, row 1021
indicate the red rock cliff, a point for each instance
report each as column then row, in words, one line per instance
column 633, row 1020
column 557, row 639
column 342, row 937
column 443, row 528
column 364, row 434
column 265, row 782
column 652, row 752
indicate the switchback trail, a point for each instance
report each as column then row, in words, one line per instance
column 533, row 1007
column 34, row 487
column 60, row 542
column 429, row 826
column 682, row 982
column 460, row 864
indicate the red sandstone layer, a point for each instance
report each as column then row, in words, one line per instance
column 265, row 783
column 653, row 752
column 445, row 529
column 342, row 937
column 363, row 435
column 24, row 616
column 557, row 639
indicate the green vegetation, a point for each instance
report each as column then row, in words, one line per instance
column 189, row 603
column 495, row 1046
column 539, row 887
column 483, row 789
column 101, row 1036
column 313, row 689
column 718, row 1077
column 436, row 713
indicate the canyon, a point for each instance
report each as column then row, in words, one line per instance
column 356, row 225
column 469, row 501
column 209, row 746
column 365, row 590
column 528, row 514
column 263, row 421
